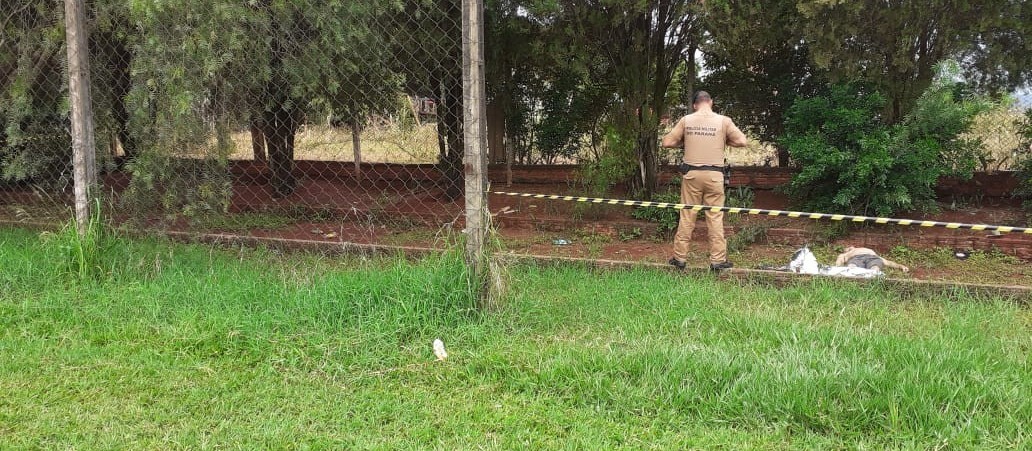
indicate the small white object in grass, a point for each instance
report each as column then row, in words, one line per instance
column 439, row 350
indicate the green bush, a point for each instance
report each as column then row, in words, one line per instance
column 740, row 197
column 666, row 217
column 600, row 174
column 747, row 236
column 35, row 143
column 38, row 149
column 175, row 186
column 851, row 162
column 1024, row 156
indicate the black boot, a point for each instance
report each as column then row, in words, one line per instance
column 721, row 266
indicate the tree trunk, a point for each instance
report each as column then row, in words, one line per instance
column 356, row 146
column 258, row 142
column 648, row 164
column 690, row 76
column 415, row 110
column 279, row 127
column 122, row 56
column 508, row 165
column 449, row 126
column 496, row 131
column 784, row 159
column 279, row 123
column 448, row 77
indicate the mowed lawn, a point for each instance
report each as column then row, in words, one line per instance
column 195, row 347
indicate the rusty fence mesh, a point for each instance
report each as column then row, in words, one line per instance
column 299, row 119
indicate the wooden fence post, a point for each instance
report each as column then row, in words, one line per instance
column 475, row 130
column 83, row 141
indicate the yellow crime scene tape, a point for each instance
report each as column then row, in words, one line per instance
column 762, row 212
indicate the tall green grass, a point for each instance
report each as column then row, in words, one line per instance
column 195, row 347
column 82, row 248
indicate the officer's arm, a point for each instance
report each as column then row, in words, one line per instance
column 735, row 137
column 675, row 139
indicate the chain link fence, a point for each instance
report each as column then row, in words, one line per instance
column 327, row 120
column 299, row 119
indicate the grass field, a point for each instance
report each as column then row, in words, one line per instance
column 391, row 144
column 379, row 144
column 194, row 347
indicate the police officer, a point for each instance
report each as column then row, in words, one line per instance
column 703, row 135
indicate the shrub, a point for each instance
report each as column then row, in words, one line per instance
column 38, row 149
column 748, row 235
column 852, row 162
column 1024, row 156
column 175, row 186
column 600, row 174
column 666, row 217
column 740, row 197
column 34, row 138
column 182, row 169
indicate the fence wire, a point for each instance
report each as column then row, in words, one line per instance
column 303, row 118
column 319, row 119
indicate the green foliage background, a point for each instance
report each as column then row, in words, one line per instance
column 576, row 81
column 851, row 161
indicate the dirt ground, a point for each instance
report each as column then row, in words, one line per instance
column 935, row 263
column 407, row 211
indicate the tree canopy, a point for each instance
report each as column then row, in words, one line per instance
column 896, row 44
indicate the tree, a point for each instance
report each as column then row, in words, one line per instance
column 34, row 142
column 1024, row 152
column 427, row 49
column 202, row 56
column 111, row 41
column 851, row 161
column 33, row 90
column 1001, row 56
column 548, row 100
column 633, row 50
column 758, row 64
column 895, row 45
column 511, row 64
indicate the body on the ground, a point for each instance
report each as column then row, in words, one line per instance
column 862, row 257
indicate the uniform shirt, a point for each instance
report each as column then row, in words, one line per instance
column 705, row 136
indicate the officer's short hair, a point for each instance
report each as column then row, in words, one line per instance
column 700, row 96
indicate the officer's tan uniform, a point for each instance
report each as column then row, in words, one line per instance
column 705, row 135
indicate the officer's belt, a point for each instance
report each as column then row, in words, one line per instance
column 685, row 167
